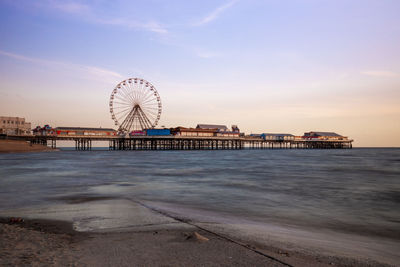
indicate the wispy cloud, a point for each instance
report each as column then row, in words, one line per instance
column 89, row 14
column 91, row 71
column 380, row 73
column 20, row 57
column 154, row 27
column 215, row 13
column 101, row 72
column 151, row 26
column 69, row 6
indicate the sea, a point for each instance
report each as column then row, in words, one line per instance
column 350, row 197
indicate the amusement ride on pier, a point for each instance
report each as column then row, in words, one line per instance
column 135, row 108
column 135, row 105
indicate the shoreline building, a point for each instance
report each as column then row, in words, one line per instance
column 14, row 126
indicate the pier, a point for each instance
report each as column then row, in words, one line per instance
column 185, row 143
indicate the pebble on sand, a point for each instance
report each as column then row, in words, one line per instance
column 196, row 236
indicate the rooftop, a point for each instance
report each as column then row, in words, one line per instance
column 212, row 126
column 324, row 134
column 276, row 134
column 83, row 129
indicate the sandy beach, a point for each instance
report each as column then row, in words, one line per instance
column 39, row 242
column 14, row 146
column 153, row 239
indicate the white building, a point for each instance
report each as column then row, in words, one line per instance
column 14, row 126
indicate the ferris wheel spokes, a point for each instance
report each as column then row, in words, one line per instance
column 136, row 103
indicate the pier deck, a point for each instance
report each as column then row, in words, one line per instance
column 185, row 142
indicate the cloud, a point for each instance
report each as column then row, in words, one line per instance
column 102, row 72
column 20, row 57
column 69, row 7
column 149, row 26
column 89, row 14
column 215, row 13
column 92, row 71
column 380, row 73
column 155, row 27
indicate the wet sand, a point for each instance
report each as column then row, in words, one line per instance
column 44, row 242
column 151, row 239
column 14, row 146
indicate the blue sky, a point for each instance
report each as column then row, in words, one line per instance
column 268, row 66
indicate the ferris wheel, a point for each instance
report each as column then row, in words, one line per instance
column 135, row 105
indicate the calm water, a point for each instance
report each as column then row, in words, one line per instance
column 356, row 191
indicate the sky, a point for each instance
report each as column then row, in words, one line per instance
column 277, row 66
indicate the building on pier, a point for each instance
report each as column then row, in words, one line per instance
column 253, row 135
column 82, row 131
column 298, row 138
column 46, row 130
column 137, row 133
column 227, row 134
column 277, row 137
column 330, row 136
column 198, row 132
column 207, row 130
column 219, row 128
column 158, row 132
column 14, row 126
